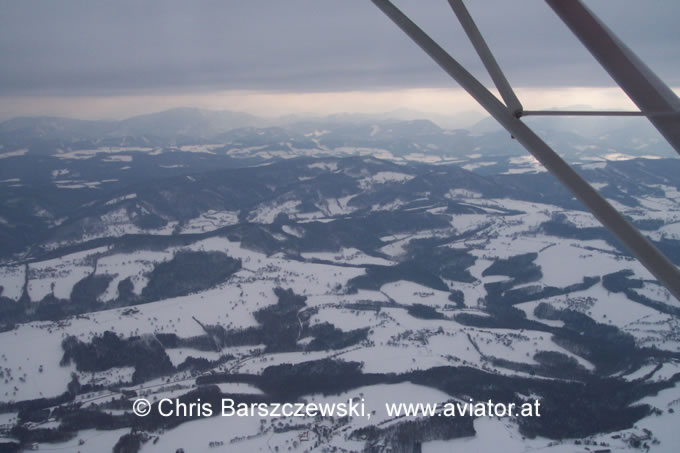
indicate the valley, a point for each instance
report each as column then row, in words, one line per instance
column 334, row 267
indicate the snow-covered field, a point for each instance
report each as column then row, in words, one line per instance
column 396, row 340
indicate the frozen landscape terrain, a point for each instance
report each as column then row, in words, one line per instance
column 323, row 262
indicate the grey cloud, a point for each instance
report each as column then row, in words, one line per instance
column 100, row 47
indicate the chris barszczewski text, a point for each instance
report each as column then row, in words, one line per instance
column 351, row 408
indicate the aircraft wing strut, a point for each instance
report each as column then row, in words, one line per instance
column 655, row 100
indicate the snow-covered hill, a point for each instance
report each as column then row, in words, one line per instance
column 324, row 279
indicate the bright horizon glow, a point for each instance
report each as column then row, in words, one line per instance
column 435, row 101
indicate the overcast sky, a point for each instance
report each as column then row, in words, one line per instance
column 115, row 58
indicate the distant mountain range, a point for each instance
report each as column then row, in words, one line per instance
column 394, row 131
column 167, row 124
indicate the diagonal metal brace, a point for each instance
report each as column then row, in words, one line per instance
column 487, row 57
column 665, row 271
column 652, row 96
